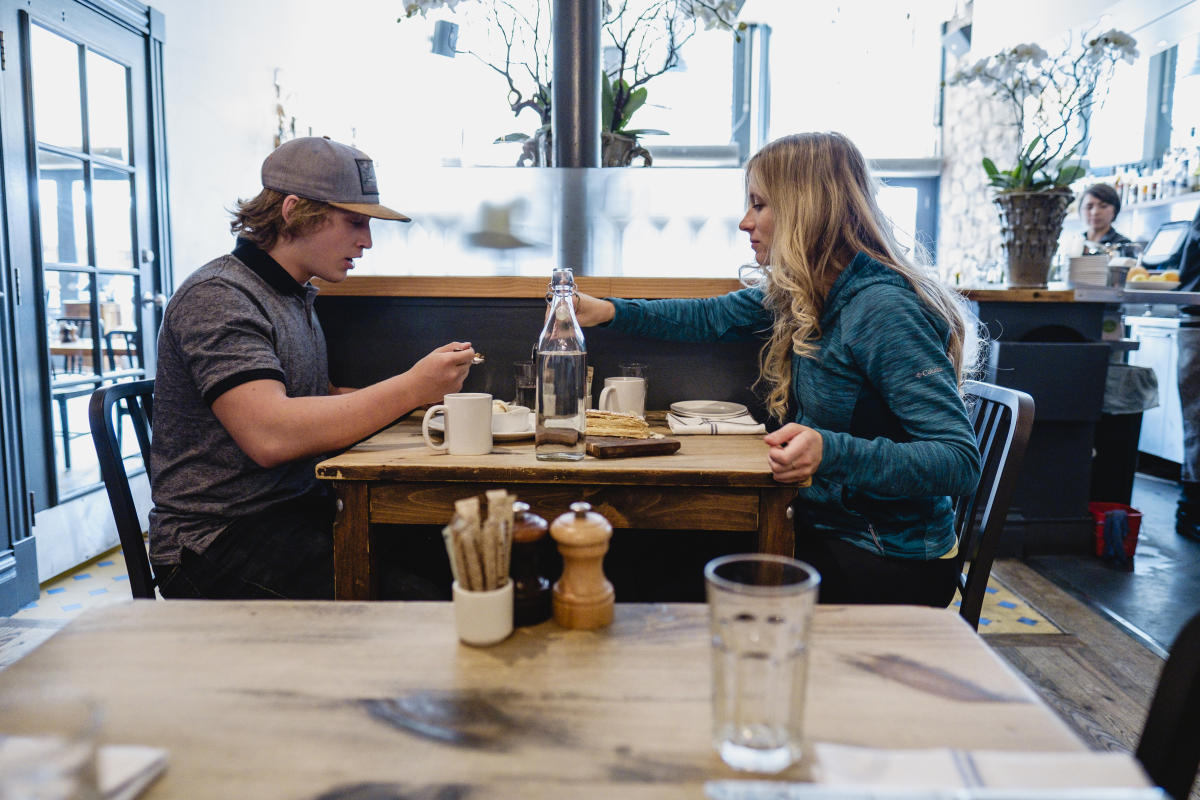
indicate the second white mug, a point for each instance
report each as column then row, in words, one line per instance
column 624, row 393
column 467, row 424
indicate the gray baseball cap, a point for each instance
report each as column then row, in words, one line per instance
column 318, row 168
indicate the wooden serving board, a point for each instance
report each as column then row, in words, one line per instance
column 621, row 447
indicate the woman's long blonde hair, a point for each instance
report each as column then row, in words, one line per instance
column 822, row 199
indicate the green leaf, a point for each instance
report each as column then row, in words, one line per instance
column 1032, row 145
column 606, row 101
column 636, row 100
column 990, row 168
column 512, row 137
column 1068, row 175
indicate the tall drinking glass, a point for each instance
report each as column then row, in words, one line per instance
column 760, row 610
column 525, row 377
column 48, row 747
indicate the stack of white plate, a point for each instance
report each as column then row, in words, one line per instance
column 1088, row 271
column 708, row 409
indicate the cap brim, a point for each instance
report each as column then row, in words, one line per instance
column 372, row 210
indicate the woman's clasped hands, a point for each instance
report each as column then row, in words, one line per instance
column 795, row 453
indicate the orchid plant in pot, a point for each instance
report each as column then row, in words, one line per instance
column 642, row 40
column 1051, row 100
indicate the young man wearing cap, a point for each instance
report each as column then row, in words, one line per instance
column 242, row 399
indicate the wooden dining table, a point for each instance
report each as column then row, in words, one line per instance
column 712, row 483
column 380, row 700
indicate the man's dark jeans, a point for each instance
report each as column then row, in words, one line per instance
column 284, row 552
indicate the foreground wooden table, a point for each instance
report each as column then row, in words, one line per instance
column 716, row 483
column 309, row 700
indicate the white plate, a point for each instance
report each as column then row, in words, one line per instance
column 1151, row 286
column 438, row 425
column 708, row 409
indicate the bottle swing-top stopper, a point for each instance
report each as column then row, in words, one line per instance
column 583, row 597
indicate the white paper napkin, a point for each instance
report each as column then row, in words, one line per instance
column 687, row 426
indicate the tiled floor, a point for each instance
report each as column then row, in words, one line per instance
column 99, row 582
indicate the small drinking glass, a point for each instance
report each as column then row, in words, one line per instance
column 48, row 747
column 525, row 379
column 760, row 610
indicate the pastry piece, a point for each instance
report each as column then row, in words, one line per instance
column 617, row 423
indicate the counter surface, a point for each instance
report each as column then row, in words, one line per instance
column 599, row 286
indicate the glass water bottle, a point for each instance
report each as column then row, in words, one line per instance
column 561, row 376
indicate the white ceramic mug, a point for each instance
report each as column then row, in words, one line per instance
column 467, row 423
column 624, row 393
column 483, row 618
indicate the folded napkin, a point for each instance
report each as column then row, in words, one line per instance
column 982, row 769
column 685, row 426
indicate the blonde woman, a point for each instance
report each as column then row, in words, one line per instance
column 867, row 352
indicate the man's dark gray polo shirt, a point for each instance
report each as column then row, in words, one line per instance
column 237, row 319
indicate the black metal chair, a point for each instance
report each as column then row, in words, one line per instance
column 1002, row 419
column 126, row 348
column 137, row 402
column 1170, row 745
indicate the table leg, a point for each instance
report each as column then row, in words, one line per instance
column 775, row 532
column 354, row 573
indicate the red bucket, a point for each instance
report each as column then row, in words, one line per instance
column 1135, row 523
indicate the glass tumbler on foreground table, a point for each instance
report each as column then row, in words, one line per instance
column 48, row 747
column 760, row 610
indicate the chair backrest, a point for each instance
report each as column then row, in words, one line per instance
column 1002, row 419
column 1170, row 745
column 137, row 399
column 127, row 346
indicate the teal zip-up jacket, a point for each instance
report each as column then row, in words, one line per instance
column 881, row 391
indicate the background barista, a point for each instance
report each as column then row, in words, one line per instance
column 243, row 403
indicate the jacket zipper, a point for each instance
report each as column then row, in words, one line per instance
column 875, row 538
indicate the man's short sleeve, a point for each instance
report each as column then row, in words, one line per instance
column 225, row 338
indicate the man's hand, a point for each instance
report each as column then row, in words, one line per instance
column 441, row 372
column 795, row 453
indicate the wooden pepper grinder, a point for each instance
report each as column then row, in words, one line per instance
column 531, row 589
column 583, row 597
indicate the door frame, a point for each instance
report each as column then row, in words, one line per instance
column 27, row 462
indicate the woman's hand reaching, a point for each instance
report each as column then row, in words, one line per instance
column 592, row 310
column 795, row 453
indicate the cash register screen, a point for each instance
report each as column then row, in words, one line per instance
column 1165, row 245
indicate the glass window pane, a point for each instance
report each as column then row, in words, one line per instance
column 56, row 109
column 75, row 456
column 1117, row 133
column 899, row 203
column 70, row 323
column 1185, row 105
column 112, row 209
column 118, row 324
column 108, row 108
column 62, row 209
